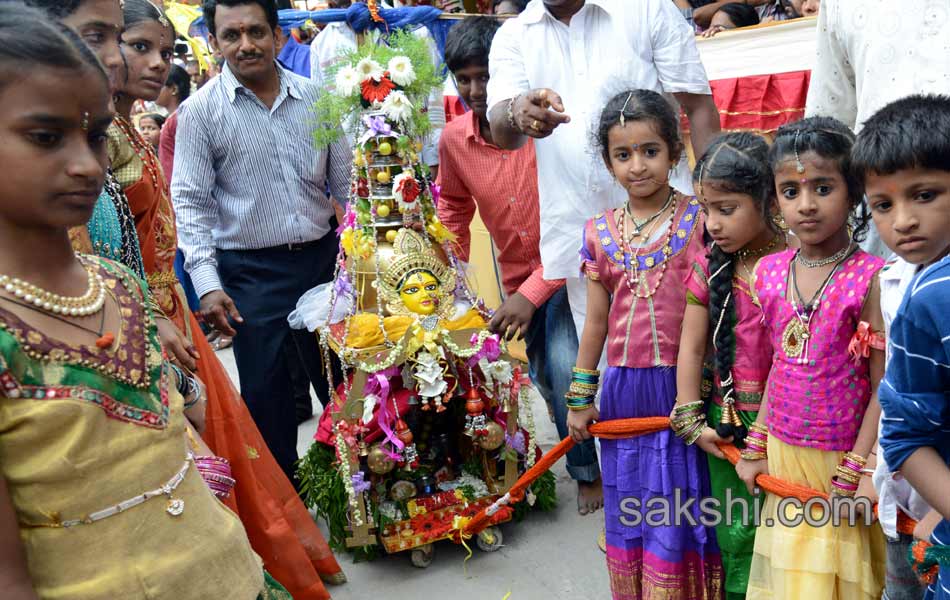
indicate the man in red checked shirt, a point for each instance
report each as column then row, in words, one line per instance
column 503, row 185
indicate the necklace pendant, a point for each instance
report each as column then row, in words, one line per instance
column 175, row 507
column 794, row 338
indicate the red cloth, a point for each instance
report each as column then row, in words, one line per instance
column 166, row 145
column 454, row 108
column 760, row 103
column 504, row 186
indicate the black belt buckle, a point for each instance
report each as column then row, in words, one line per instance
column 297, row 246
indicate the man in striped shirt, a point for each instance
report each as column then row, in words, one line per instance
column 254, row 221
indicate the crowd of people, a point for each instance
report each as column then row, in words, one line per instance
column 148, row 204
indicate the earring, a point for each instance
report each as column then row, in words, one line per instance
column 779, row 221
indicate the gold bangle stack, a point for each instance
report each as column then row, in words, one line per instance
column 688, row 421
column 756, row 443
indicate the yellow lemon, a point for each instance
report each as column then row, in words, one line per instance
column 383, row 177
column 391, row 236
column 382, row 210
column 385, row 148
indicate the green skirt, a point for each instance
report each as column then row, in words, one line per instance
column 736, row 531
column 273, row 590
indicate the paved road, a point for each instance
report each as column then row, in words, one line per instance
column 548, row 556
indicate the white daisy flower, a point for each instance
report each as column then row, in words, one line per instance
column 347, row 81
column 369, row 69
column 401, row 71
column 397, row 107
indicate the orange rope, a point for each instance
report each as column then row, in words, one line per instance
column 624, row 428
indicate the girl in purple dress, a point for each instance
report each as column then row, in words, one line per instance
column 637, row 259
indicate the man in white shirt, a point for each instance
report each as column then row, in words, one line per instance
column 555, row 66
column 872, row 52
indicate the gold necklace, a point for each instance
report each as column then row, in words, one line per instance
column 70, row 306
column 755, row 254
column 632, row 276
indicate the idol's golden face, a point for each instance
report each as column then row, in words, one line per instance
column 420, row 293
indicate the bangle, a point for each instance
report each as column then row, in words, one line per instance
column 756, row 443
column 511, row 115
column 688, row 421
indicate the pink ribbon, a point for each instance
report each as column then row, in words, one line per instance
column 490, row 349
column 863, row 340
column 378, row 385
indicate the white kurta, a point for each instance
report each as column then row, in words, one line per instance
column 609, row 47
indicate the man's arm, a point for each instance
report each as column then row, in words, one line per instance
column 196, row 213
column 509, row 91
column 680, row 69
column 338, row 168
column 704, row 14
column 703, row 119
column 832, row 91
column 195, row 206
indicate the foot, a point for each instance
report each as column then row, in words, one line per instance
column 590, row 496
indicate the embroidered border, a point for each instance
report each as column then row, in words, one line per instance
column 684, row 230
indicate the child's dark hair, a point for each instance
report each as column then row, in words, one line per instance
column 141, row 11
column 832, row 140
column 159, row 119
column 28, row 40
column 911, row 133
column 181, row 81
column 210, row 7
column 58, row 9
column 468, row 43
column 736, row 163
column 638, row 105
column 741, row 15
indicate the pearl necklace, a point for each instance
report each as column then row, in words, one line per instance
column 76, row 306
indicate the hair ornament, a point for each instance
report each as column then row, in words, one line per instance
column 623, row 109
column 799, row 165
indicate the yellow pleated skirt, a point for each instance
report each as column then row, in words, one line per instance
column 806, row 562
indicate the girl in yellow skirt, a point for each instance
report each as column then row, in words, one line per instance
column 818, row 423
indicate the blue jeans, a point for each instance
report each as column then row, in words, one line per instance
column 552, row 352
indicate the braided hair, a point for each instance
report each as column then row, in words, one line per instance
column 736, row 163
column 830, row 139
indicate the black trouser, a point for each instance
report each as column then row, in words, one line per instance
column 265, row 286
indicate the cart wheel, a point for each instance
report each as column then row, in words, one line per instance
column 422, row 556
column 490, row 539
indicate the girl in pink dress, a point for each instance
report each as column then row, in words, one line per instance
column 818, row 423
column 734, row 187
column 636, row 259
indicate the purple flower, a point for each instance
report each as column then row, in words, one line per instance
column 360, row 485
column 516, row 442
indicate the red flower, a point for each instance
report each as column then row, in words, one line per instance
column 407, row 189
column 376, row 91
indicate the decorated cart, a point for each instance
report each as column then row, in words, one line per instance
column 432, row 420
